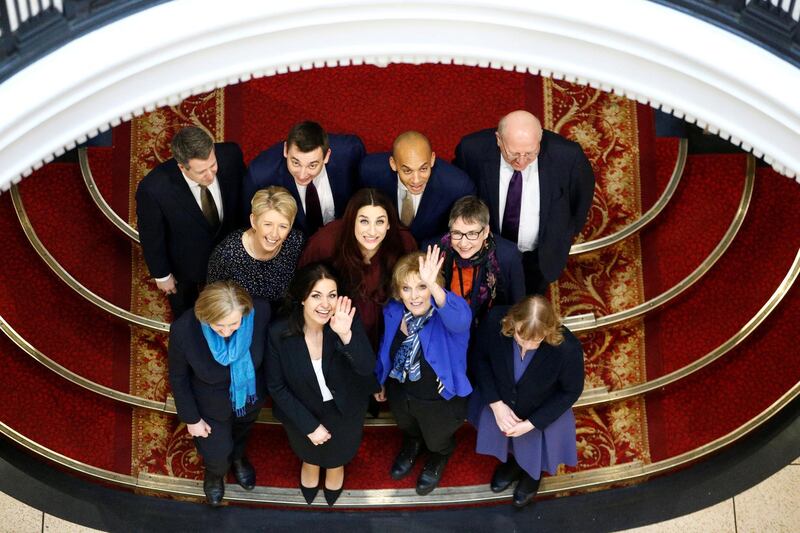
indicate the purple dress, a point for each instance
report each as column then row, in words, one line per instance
column 537, row 450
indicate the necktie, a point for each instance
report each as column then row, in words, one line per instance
column 513, row 207
column 313, row 209
column 209, row 207
column 407, row 210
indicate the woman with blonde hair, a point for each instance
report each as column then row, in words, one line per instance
column 529, row 373
column 422, row 365
column 216, row 354
column 263, row 257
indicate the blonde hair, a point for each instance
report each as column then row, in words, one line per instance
column 274, row 198
column 406, row 266
column 221, row 298
column 534, row 317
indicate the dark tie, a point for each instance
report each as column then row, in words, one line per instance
column 313, row 209
column 209, row 207
column 513, row 207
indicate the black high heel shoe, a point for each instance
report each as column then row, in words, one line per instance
column 332, row 495
column 309, row 493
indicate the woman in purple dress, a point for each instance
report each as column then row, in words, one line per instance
column 529, row 373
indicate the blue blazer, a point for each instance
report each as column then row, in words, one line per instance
column 446, row 185
column 566, row 189
column 444, row 341
column 269, row 168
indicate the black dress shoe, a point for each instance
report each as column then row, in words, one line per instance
column 244, row 473
column 432, row 473
column 214, row 487
column 525, row 491
column 505, row 474
column 309, row 493
column 332, row 495
column 405, row 460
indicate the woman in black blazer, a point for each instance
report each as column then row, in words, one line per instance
column 320, row 367
column 216, row 352
column 529, row 373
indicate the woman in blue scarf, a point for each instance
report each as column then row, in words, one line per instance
column 216, row 352
column 422, row 365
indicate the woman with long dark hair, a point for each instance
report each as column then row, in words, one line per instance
column 320, row 376
column 363, row 247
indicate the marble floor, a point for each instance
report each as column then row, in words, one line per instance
column 772, row 506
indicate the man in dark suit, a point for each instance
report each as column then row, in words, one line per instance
column 319, row 170
column 422, row 188
column 539, row 187
column 185, row 206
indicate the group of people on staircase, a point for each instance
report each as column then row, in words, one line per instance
column 331, row 280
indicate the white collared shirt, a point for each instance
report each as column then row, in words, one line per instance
column 401, row 194
column 323, row 386
column 529, row 210
column 216, row 193
column 325, row 194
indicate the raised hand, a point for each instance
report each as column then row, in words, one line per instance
column 342, row 320
column 430, row 265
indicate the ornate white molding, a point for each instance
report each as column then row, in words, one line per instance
column 640, row 49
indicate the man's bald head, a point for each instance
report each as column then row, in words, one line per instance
column 519, row 135
column 413, row 159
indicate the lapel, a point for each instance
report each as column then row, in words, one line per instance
column 287, row 181
column 298, row 352
column 507, row 348
column 543, row 354
column 491, row 184
column 183, row 196
column 430, row 197
column 547, row 180
column 328, row 347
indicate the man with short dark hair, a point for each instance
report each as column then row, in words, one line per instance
column 422, row 188
column 185, row 206
column 319, row 170
column 539, row 187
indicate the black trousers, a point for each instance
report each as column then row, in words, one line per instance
column 432, row 421
column 226, row 442
column 534, row 279
column 183, row 299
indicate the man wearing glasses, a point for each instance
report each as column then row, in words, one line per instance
column 538, row 186
column 481, row 267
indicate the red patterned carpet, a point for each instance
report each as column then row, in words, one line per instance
column 445, row 102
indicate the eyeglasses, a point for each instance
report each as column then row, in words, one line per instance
column 470, row 235
column 519, row 156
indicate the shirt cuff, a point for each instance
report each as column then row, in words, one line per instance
column 162, row 280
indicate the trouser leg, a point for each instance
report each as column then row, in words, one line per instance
column 241, row 431
column 217, row 447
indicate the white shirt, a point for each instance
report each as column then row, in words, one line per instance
column 323, row 387
column 324, row 193
column 401, row 194
column 194, row 187
column 529, row 210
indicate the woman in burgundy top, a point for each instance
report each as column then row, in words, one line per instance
column 363, row 247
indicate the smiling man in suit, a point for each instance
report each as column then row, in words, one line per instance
column 319, row 170
column 185, row 206
column 421, row 187
column 539, row 188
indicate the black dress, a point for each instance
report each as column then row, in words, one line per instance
column 297, row 399
column 268, row 279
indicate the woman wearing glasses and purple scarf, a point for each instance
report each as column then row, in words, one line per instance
column 483, row 268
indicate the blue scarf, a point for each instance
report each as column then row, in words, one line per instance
column 234, row 352
column 406, row 360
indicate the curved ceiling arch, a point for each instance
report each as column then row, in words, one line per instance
column 640, row 49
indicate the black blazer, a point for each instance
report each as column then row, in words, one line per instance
column 201, row 386
column 269, row 168
column 446, row 185
column 296, row 396
column 176, row 238
column 550, row 385
column 566, row 188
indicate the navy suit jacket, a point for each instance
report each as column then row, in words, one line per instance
column 175, row 236
column 269, row 168
column 566, row 188
column 201, row 386
column 446, row 185
column 550, row 385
